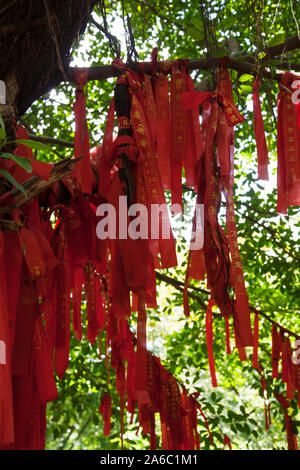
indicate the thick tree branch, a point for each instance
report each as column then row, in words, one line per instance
column 241, row 65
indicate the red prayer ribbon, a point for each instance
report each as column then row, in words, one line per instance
column 288, row 146
column 259, row 131
column 209, row 341
column 83, row 170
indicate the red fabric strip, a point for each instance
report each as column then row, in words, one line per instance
column 209, row 342
column 105, row 410
column 227, row 442
column 83, row 170
column 291, row 437
column 43, row 367
column 259, row 131
column 242, row 313
column 276, row 349
column 150, row 107
column 141, row 353
column 62, row 339
column 288, row 146
column 161, row 91
column 105, row 164
column 76, row 304
column 90, row 293
column 178, row 131
column 255, row 342
column 6, row 398
column 228, row 347
column 149, row 187
column 194, row 147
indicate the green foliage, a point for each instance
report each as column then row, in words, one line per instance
column 268, row 241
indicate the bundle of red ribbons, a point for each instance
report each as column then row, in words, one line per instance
column 50, row 267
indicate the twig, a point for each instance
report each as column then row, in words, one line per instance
column 179, row 286
column 36, row 185
column 51, row 140
column 110, row 36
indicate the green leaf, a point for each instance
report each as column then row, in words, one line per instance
column 278, row 39
column 33, row 144
column 2, row 134
column 246, row 89
column 245, row 78
column 2, row 123
column 12, row 180
column 22, row 161
column 261, row 55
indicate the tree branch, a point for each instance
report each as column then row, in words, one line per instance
column 36, row 185
column 102, row 72
column 51, row 140
column 180, row 286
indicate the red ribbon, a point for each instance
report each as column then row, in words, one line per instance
column 83, row 170
column 141, row 390
column 255, row 342
column 288, row 146
column 227, row 442
column 105, row 410
column 276, row 349
column 163, row 145
column 192, row 99
column 6, row 400
column 209, row 341
column 259, row 131
column 178, row 131
column 291, row 437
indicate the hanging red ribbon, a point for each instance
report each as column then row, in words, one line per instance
column 178, row 130
column 276, row 350
column 259, row 131
column 83, row 170
column 255, row 341
column 193, row 99
column 288, row 146
column 105, row 410
column 141, row 390
column 163, row 145
column 209, row 341
column 291, row 436
column 6, row 399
